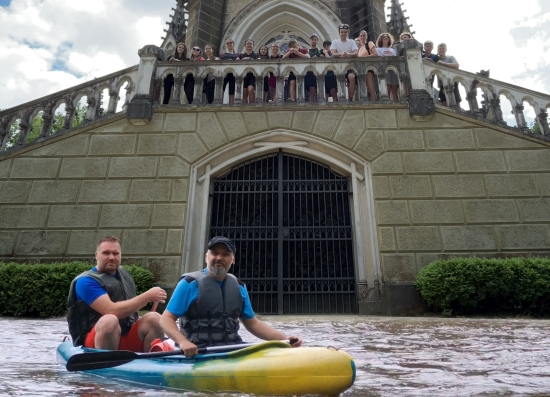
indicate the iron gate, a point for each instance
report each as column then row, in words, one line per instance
column 290, row 220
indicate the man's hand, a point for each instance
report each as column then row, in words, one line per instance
column 156, row 294
column 295, row 341
column 189, row 349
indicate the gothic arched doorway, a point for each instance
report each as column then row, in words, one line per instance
column 291, row 222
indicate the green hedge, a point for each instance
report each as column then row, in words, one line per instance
column 42, row 290
column 519, row 286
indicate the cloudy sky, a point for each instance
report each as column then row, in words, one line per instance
column 48, row 45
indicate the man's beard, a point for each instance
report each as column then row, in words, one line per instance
column 218, row 271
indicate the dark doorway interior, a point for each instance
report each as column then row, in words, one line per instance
column 291, row 222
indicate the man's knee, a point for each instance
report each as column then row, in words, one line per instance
column 150, row 320
column 107, row 324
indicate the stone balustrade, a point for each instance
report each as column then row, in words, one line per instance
column 492, row 89
column 21, row 116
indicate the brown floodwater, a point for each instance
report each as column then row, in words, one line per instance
column 395, row 356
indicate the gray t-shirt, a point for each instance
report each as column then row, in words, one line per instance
column 449, row 59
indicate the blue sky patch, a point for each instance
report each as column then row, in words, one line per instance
column 5, row 3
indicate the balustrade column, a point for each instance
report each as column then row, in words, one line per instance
column 497, row 111
column 300, row 88
column 69, row 115
column 113, row 100
column 342, row 92
column 362, row 80
column 23, row 132
column 4, row 129
column 259, row 89
column 320, row 88
column 130, row 90
column 46, row 123
column 90, row 112
column 218, row 91
column 198, row 90
column 176, row 98
column 383, row 86
column 520, row 118
column 280, row 88
column 472, row 101
column 157, row 88
column 238, row 89
column 542, row 119
column 450, row 96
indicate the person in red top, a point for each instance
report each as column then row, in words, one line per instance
column 294, row 51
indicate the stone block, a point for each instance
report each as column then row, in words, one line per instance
column 386, row 240
column 468, row 238
column 439, row 121
column 104, row 191
column 180, row 190
column 7, row 243
column 54, row 191
column 424, row 259
column 125, row 215
column 490, row 211
column 534, row 210
column 543, row 182
column 351, row 128
column 35, row 168
column 24, row 216
column 173, row 167
column 210, row 131
column 256, row 121
column 428, row 162
column 169, row 215
column 392, row 212
column 398, row 267
column 73, row 146
column 84, row 242
column 5, row 169
column 117, row 126
column 181, row 122
column 110, row 145
column 304, row 121
column 529, row 160
column 450, row 139
column 167, row 269
column 370, row 144
column 524, row 236
column 41, row 243
column 83, row 168
column 14, row 192
column 459, row 185
column 381, row 187
column 327, row 123
column 130, row 167
column 174, row 242
column 73, row 216
column 151, row 190
column 436, row 211
column 190, row 147
column 155, row 125
column 510, row 185
column 381, row 118
column 146, row 242
column 410, row 186
column 491, row 139
column 418, row 238
column 404, row 140
column 233, row 124
column 388, row 163
column 280, row 119
column 480, row 161
column 157, row 144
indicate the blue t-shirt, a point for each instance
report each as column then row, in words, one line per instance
column 88, row 289
column 186, row 293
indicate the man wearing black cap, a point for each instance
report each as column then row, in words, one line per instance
column 209, row 304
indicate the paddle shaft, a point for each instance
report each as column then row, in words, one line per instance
column 114, row 358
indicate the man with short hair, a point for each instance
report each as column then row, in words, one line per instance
column 310, row 80
column 427, row 54
column 210, row 303
column 103, row 305
column 450, row 61
column 344, row 48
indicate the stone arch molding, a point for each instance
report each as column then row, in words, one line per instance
column 342, row 161
column 261, row 19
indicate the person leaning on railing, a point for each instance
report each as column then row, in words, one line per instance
column 229, row 55
column 331, row 86
column 294, row 51
column 384, row 49
column 209, row 83
column 450, row 61
column 310, row 80
column 180, row 54
column 272, row 82
column 263, row 53
column 368, row 49
column 344, row 48
column 189, row 84
column 249, row 82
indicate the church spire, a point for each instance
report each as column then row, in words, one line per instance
column 178, row 26
column 398, row 21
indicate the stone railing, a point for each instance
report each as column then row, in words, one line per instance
column 490, row 110
column 16, row 122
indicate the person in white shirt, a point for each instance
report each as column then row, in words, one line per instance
column 344, row 48
column 384, row 49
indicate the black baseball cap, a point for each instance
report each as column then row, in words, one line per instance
column 222, row 240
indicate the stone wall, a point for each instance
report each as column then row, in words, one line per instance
column 447, row 187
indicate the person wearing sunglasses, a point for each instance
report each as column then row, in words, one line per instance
column 189, row 84
column 180, row 54
column 229, row 55
column 344, row 48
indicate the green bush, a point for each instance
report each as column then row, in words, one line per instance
column 519, row 286
column 42, row 290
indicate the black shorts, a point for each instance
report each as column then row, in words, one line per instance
column 266, row 84
column 291, row 76
column 310, row 81
column 229, row 79
column 249, row 79
column 330, row 82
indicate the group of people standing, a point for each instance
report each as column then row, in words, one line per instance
column 343, row 47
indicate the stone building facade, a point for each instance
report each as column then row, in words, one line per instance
column 423, row 181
